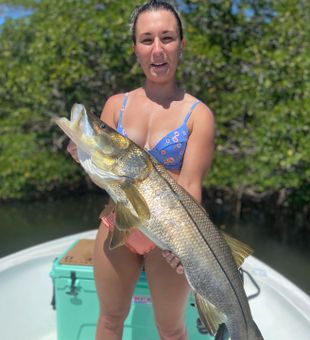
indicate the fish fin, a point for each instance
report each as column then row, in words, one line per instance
column 137, row 201
column 222, row 333
column 118, row 238
column 103, row 162
column 238, row 249
column 208, row 314
column 125, row 219
column 108, row 208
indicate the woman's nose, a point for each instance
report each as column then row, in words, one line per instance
column 157, row 48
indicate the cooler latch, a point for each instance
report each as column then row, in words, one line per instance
column 73, row 289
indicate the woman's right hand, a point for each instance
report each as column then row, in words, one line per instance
column 72, row 149
column 173, row 261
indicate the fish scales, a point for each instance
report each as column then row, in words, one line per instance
column 144, row 192
column 182, row 226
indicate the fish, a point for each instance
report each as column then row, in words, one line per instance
column 148, row 198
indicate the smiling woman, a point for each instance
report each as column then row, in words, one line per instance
column 158, row 45
column 178, row 130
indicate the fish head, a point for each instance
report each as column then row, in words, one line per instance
column 91, row 134
column 103, row 151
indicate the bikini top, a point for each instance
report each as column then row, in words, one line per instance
column 170, row 150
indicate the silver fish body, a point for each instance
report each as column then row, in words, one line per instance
column 181, row 225
column 144, row 192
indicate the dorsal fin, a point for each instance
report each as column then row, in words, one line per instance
column 238, row 249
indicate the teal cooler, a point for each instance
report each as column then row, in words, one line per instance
column 76, row 303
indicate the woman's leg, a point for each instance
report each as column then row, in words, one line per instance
column 169, row 292
column 116, row 272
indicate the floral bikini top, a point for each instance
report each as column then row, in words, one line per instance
column 169, row 151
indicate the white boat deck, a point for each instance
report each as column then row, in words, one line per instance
column 282, row 310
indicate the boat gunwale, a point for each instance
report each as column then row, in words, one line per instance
column 269, row 276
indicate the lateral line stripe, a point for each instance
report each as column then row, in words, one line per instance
column 239, row 302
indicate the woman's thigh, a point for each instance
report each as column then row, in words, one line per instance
column 169, row 291
column 116, row 272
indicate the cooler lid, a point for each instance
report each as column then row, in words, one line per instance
column 78, row 258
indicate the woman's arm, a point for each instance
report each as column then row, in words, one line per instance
column 199, row 151
column 196, row 163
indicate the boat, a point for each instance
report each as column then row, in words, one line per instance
column 27, row 286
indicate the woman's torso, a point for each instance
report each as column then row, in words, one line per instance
column 162, row 128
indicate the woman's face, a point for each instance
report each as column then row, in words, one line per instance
column 158, row 45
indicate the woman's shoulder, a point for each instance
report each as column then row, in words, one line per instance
column 115, row 100
column 201, row 117
column 197, row 106
column 111, row 109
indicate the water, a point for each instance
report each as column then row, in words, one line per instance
column 26, row 224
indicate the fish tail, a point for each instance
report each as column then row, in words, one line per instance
column 222, row 333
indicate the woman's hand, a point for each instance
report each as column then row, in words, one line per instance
column 72, row 149
column 173, row 261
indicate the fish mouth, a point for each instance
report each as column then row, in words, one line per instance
column 78, row 128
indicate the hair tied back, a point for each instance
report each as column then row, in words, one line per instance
column 154, row 5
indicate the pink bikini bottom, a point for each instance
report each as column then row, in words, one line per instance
column 137, row 242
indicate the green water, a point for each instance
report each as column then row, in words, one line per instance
column 26, row 224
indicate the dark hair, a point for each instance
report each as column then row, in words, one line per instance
column 154, row 5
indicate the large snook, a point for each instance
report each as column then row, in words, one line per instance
column 148, row 198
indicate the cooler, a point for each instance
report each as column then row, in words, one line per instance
column 76, row 304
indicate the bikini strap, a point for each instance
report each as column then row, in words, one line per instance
column 191, row 110
column 123, row 108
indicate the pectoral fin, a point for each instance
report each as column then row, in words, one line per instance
column 138, row 202
column 118, row 238
column 125, row 219
column 108, row 208
column 239, row 249
column 209, row 315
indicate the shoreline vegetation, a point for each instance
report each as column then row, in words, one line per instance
column 226, row 208
column 249, row 61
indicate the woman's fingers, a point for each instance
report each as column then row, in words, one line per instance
column 180, row 269
column 166, row 253
column 173, row 261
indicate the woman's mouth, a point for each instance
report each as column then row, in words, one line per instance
column 159, row 67
column 158, row 64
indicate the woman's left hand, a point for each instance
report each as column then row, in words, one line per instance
column 173, row 261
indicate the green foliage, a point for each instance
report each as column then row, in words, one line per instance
column 248, row 60
column 65, row 52
column 251, row 65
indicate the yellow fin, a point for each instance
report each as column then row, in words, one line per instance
column 208, row 314
column 138, row 202
column 239, row 249
column 118, row 238
column 124, row 219
column 104, row 162
column 108, row 208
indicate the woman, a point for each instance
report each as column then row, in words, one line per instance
column 178, row 130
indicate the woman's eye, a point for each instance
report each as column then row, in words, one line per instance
column 167, row 39
column 146, row 41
